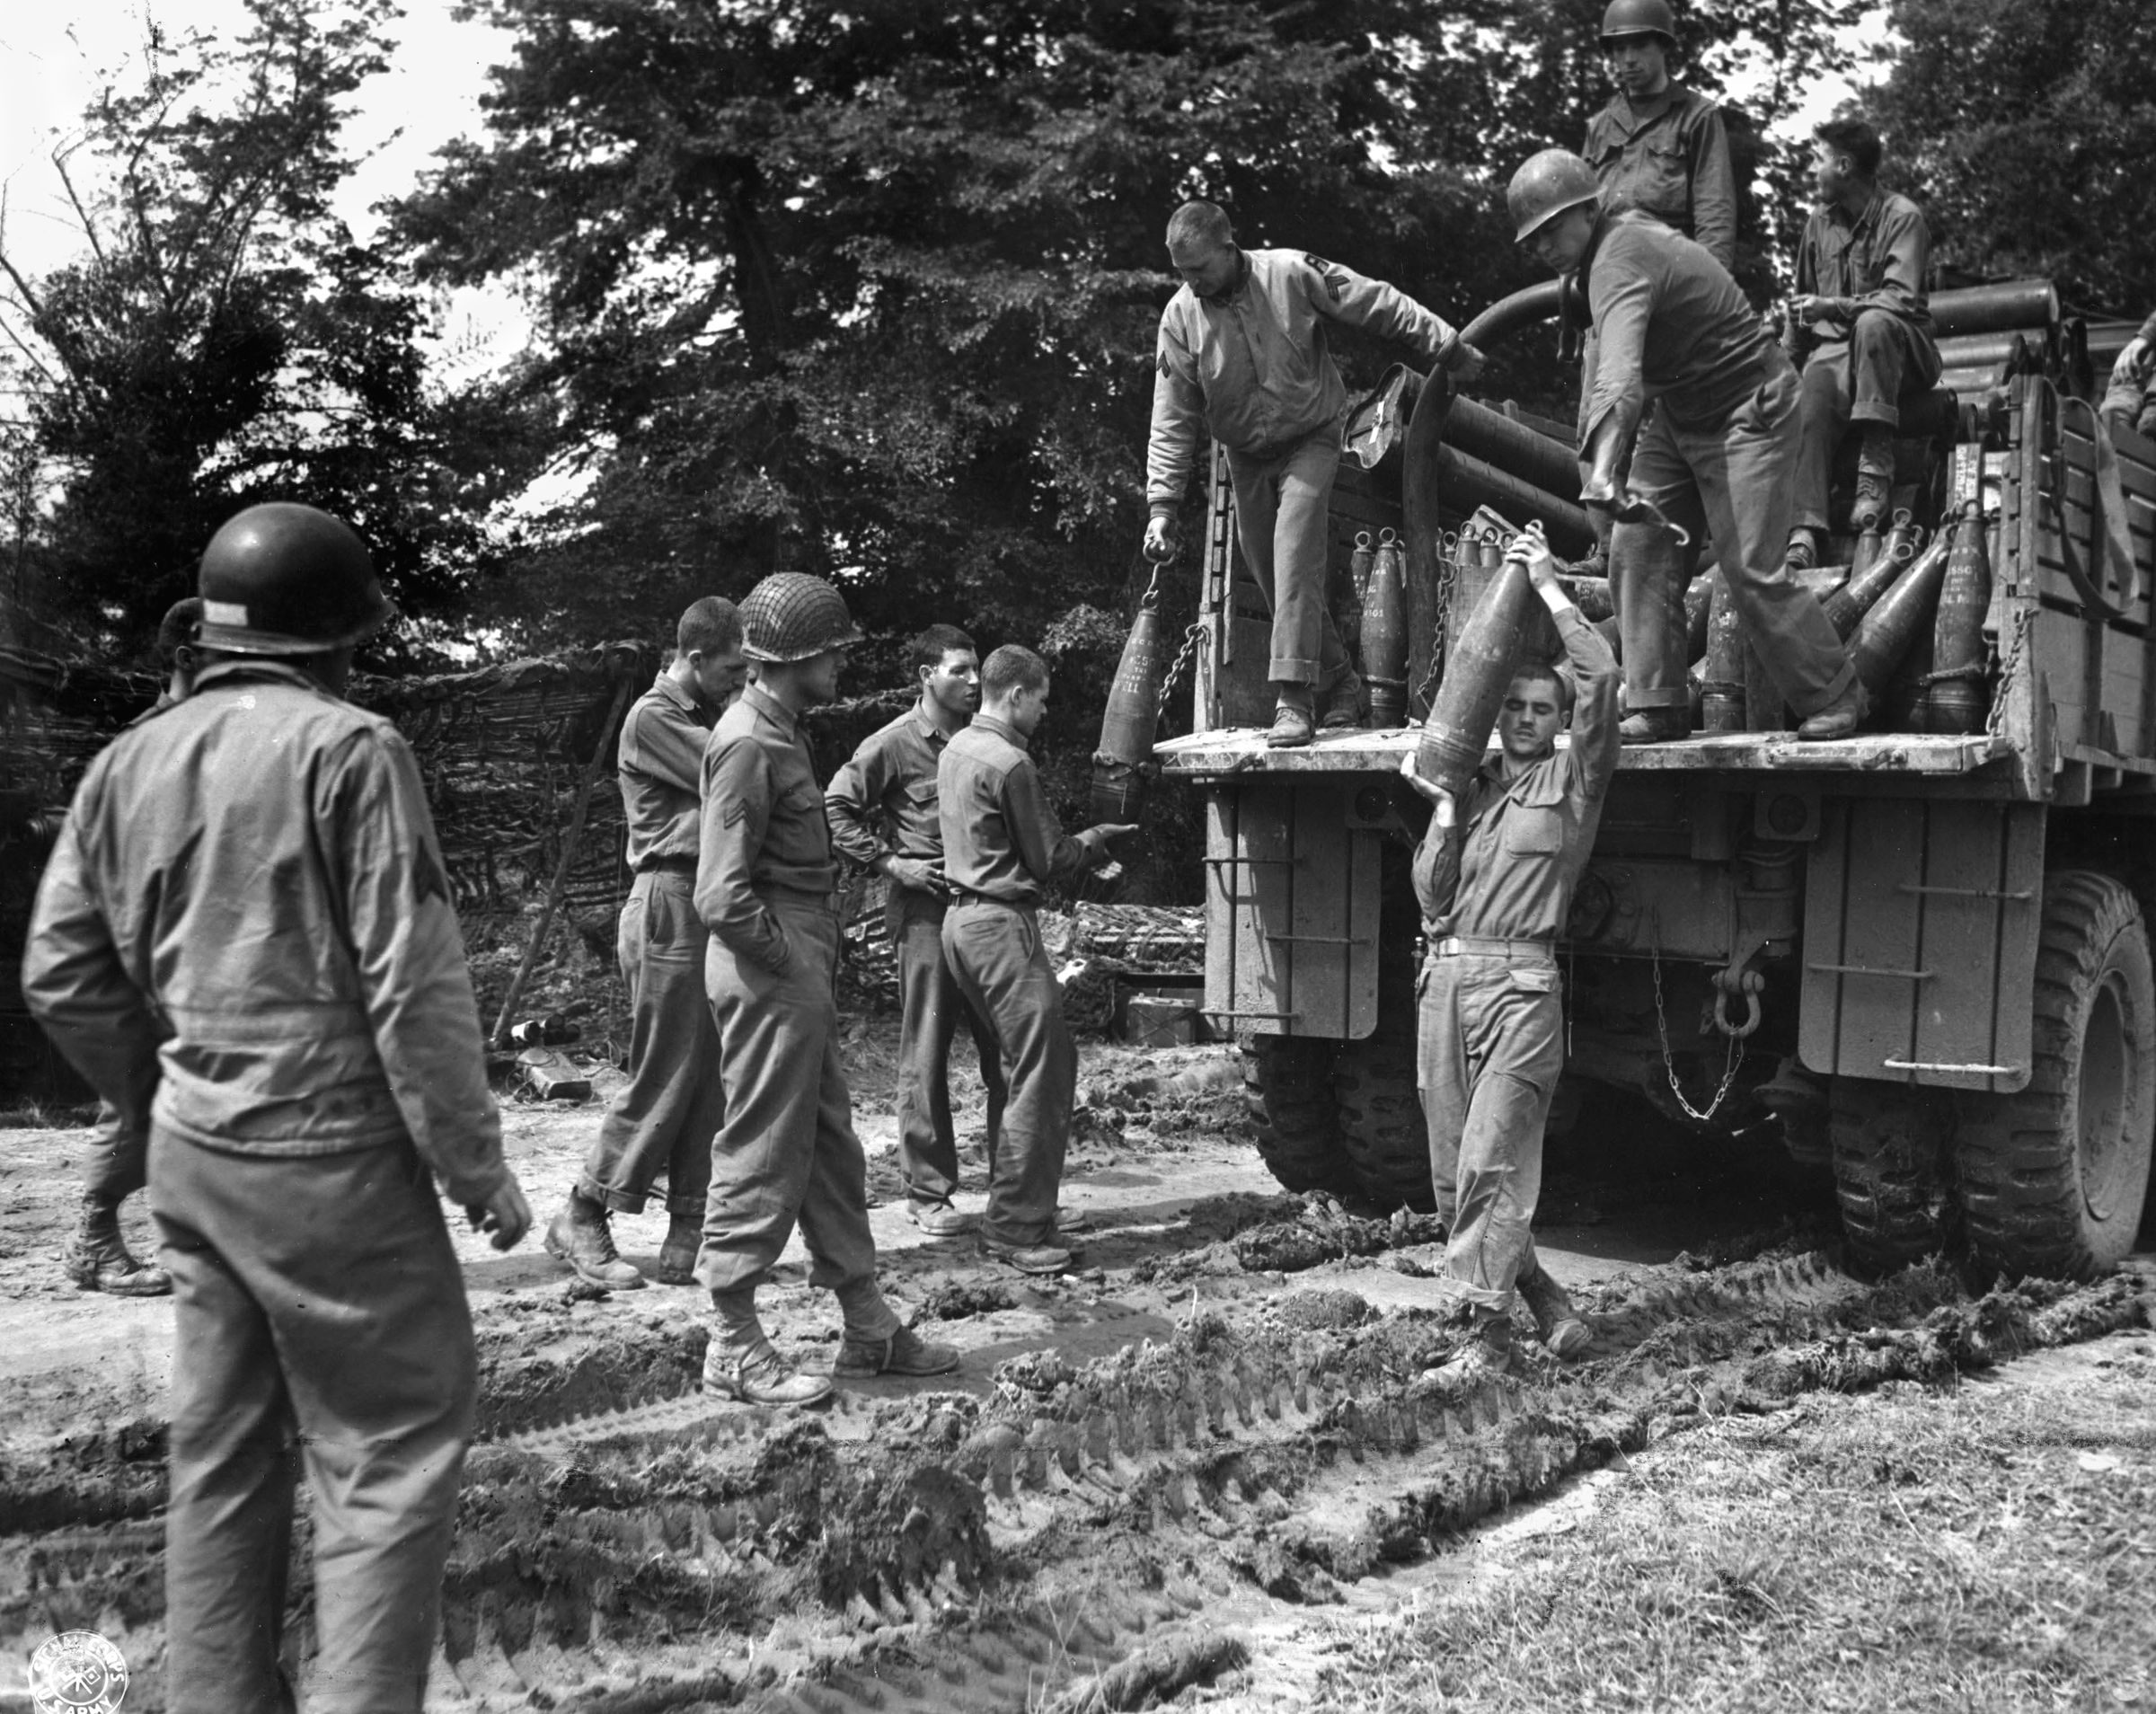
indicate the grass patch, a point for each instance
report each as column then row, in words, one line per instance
column 1989, row 1547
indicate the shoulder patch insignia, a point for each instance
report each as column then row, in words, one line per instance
column 735, row 810
column 428, row 881
column 1336, row 281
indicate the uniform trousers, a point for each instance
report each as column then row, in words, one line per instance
column 1859, row 380
column 320, row 1328
column 932, row 1007
column 1002, row 969
column 1490, row 1044
column 664, row 1118
column 1732, row 481
column 1280, row 520
column 120, row 1160
column 787, row 1154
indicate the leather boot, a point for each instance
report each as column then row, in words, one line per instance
column 1556, row 1323
column 1295, row 720
column 582, row 1236
column 905, row 1353
column 1839, row 718
column 1486, row 1357
column 97, row 1258
column 1875, row 477
column 760, row 1376
column 1343, row 706
column 1655, row 726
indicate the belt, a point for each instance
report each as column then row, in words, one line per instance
column 960, row 895
column 666, row 866
column 1477, row 946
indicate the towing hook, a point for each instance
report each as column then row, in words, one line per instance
column 1721, row 1013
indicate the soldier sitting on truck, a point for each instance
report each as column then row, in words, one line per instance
column 1674, row 331
column 1859, row 327
column 1495, row 876
column 2130, row 398
column 1658, row 147
column 1243, row 353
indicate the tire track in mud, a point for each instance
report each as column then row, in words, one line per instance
column 1020, row 1549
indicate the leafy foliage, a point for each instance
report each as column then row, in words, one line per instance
column 2026, row 127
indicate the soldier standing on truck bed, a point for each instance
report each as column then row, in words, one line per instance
column 664, row 1117
column 1002, row 846
column 244, row 940
column 787, row 1154
column 1859, row 327
column 1658, row 147
column 882, row 810
column 1243, row 354
column 1673, row 330
column 1494, row 876
column 97, row 1258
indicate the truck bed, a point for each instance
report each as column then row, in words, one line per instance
column 1242, row 750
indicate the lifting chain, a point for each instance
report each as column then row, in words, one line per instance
column 2010, row 659
column 1450, row 542
column 1733, row 1060
column 1193, row 637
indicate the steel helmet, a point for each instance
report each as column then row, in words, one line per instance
column 1547, row 185
column 792, row 615
column 286, row 580
column 1638, row 18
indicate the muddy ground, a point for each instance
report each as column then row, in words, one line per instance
column 1167, row 1475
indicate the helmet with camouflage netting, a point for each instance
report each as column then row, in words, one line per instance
column 792, row 616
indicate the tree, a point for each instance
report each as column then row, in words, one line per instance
column 224, row 340
column 2027, row 130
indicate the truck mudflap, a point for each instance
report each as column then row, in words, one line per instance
column 1293, row 896
column 1936, row 995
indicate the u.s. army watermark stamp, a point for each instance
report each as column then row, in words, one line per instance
column 77, row 1672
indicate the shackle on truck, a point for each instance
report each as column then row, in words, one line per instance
column 1919, row 954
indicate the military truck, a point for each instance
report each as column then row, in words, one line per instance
column 1924, row 957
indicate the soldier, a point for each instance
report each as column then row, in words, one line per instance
column 2130, row 398
column 664, row 1118
column 1716, row 458
column 1495, row 876
column 97, row 1258
column 1859, row 327
column 1658, row 147
column 882, row 810
column 1001, row 845
column 245, row 943
column 1243, row 354
column 787, row 1152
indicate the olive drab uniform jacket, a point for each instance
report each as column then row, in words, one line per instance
column 1507, row 868
column 1252, row 367
column 765, row 833
column 1668, row 157
column 247, row 914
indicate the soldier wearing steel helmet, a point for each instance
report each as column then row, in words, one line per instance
column 244, row 940
column 1659, row 147
column 787, row 1154
column 1717, row 458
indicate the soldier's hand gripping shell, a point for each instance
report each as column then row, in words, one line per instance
column 1437, row 795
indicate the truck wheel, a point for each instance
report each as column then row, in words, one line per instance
column 1381, row 1131
column 1889, row 1149
column 1287, row 1087
column 2052, row 1180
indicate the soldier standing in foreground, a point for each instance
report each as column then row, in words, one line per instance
column 1001, row 845
column 1243, row 354
column 664, row 1118
column 787, row 1152
column 97, row 1258
column 1715, row 458
column 1658, row 147
column 1494, row 876
column 244, row 942
column 882, row 810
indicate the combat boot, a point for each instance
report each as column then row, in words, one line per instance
column 1295, row 720
column 1875, row 477
column 905, row 1353
column 1343, row 701
column 582, row 1237
column 97, row 1258
column 1839, row 718
column 677, row 1255
column 1486, row 1357
column 938, row 1219
column 1655, row 726
column 1030, row 1258
column 760, row 1376
column 1556, row 1323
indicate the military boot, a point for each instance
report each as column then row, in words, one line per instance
column 1486, row 1357
column 905, row 1353
column 677, row 1255
column 1343, row 701
column 582, row 1236
column 1556, row 1323
column 1839, row 718
column 1875, row 477
column 1294, row 718
column 760, row 1376
column 97, row 1258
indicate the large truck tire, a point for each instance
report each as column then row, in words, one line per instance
column 2053, row 1179
column 1287, row 1087
column 1381, row 1130
column 1889, row 1144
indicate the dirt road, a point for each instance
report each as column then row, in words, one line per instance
column 1174, row 1469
